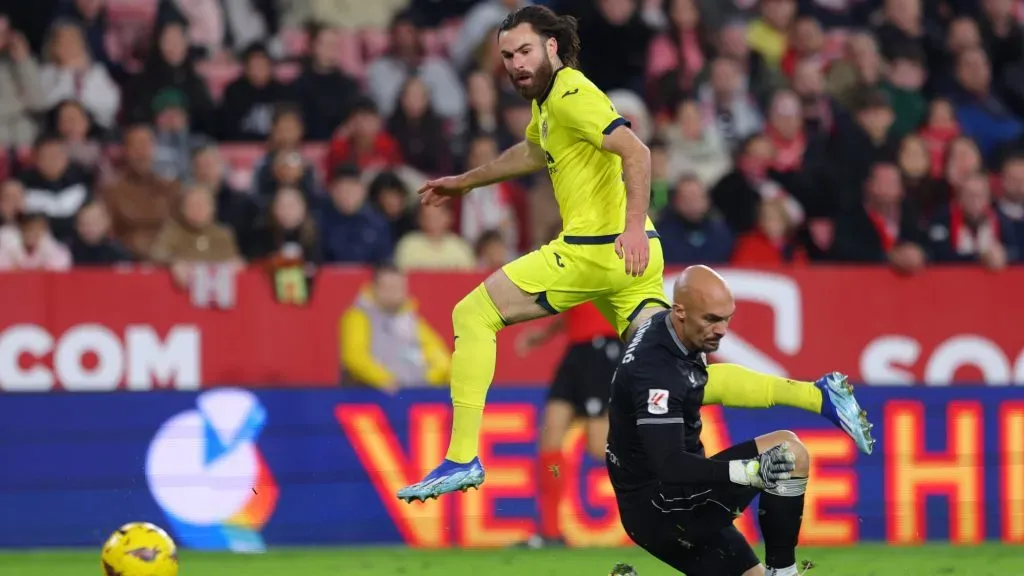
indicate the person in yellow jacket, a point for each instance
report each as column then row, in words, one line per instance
column 385, row 344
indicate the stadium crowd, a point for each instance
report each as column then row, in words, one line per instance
column 781, row 131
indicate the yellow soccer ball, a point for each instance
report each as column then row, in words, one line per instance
column 139, row 549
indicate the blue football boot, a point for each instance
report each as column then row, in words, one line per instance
column 448, row 477
column 839, row 405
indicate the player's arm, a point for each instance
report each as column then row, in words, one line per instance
column 524, row 158
column 636, row 171
column 660, row 420
column 736, row 386
column 592, row 118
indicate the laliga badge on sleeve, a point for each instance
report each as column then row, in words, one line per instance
column 657, row 401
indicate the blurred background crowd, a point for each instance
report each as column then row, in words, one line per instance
column 781, row 131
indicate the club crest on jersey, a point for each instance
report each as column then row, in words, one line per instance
column 657, row 401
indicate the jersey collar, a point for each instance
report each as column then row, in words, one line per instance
column 551, row 86
column 675, row 337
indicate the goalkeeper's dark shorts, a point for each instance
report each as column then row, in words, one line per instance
column 691, row 528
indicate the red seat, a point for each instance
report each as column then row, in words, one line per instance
column 136, row 12
column 218, row 75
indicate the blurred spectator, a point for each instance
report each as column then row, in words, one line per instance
column 617, row 41
column 962, row 35
column 940, row 129
column 138, row 199
column 482, row 115
column 20, row 91
column 54, row 186
column 904, row 24
column 904, row 80
column 922, row 190
column 174, row 139
column 419, row 131
column 477, row 26
column 385, row 344
column 806, row 42
column 69, row 72
column 727, row 104
column 500, row 206
column 325, row 94
column 231, row 208
column 192, row 236
column 390, row 196
column 406, row 57
column 247, row 110
column 38, row 249
column 91, row 244
column 772, row 242
column 363, row 142
column 287, row 168
column 351, row 14
column 858, row 145
column 631, row 107
column 1002, row 35
column 719, row 13
column 249, row 21
column 819, row 110
column 679, row 52
column 516, row 113
column 491, row 251
column 859, row 70
column 168, row 66
column 739, row 193
column 12, row 204
column 694, row 146
column 203, row 19
column 768, row 34
column 71, row 121
column 757, row 76
column 1011, row 204
column 286, row 133
column 91, row 17
column 982, row 115
column 691, row 231
column 970, row 229
column 963, row 160
column 884, row 228
column 660, row 182
column 434, row 246
column 350, row 229
column 288, row 232
column 786, row 132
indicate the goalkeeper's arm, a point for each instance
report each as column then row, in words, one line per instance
column 736, row 386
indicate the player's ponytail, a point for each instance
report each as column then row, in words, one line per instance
column 564, row 29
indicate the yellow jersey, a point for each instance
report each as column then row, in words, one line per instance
column 570, row 122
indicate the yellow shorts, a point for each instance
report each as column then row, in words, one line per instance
column 572, row 270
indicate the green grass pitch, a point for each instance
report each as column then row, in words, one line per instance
column 861, row 560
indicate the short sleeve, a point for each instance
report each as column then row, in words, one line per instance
column 588, row 113
column 533, row 128
column 657, row 402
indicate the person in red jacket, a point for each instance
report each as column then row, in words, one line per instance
column 581, row 389
column 363, row 142
column 771, row 242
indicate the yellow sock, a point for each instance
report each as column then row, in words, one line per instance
column 476, row 321
column 734, row 385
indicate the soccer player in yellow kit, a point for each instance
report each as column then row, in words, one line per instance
column 608, row 252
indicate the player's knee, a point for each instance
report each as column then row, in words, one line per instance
column 755, row 571
column 803, row 457
column 476, row 310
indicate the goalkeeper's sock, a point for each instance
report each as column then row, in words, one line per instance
column 780, row 512
column 549, row 493
column 476, row 321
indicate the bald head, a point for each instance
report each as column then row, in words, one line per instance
column 702, row 308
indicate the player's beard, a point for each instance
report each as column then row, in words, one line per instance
column 541, row 78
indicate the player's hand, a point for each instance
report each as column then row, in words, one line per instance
column 634, row 247
column 437, row 192
column 765, row 471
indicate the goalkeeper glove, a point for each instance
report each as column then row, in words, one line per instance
column 765, row 471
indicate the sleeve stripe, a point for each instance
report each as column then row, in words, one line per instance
column 620, row 121
column 660, row 421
